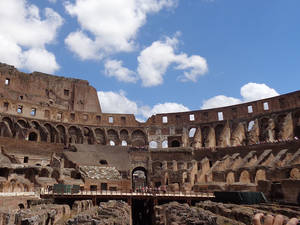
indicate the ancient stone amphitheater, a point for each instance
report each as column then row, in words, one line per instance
column 52, row 131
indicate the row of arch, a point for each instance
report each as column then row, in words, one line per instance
column 264, row 129
column 46, row 132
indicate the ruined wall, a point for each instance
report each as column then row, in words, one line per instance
column 47, row 90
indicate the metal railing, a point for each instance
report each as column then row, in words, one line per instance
column 131, row 193
column 9, row 194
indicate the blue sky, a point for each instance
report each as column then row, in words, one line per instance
column 152, row 56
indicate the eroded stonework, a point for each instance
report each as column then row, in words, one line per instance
column 52, row 131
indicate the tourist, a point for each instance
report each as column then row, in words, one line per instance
column 271, row 220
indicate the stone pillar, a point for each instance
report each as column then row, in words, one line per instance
column 198, row 139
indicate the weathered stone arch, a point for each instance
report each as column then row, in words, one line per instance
column 138, row 138
column 100, row 136
column 139, row 180
column 88, row 136
column 8, row 121
column 245, row 177
column 124, row 135
column 230, row 178
column 52, row 133
column 238, row 136
column 112, row 135
column 42, row 131
column 61, row 133
column 260, row 175
column 295, row 174
column 22, row 123
column 74, row 134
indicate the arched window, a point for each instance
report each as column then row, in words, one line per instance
column 112, row 143
column 164, row 144
column 153, row 144
column 192, row 132
column 124, row 143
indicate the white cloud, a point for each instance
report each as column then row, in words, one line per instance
column 249, row 92
column 114, row 68
column 39, row 59
column 155, row 60
column 220, row 101
column 112, row 25
column 167, row 107
column 24, row 34
column 114, row 102
column 254, row 91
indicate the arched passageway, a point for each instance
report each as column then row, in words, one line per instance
column 139, row 178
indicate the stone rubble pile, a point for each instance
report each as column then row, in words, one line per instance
column 97, row 172
column 108, row 213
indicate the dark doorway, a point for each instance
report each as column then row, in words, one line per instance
column 26, row 159
column 103, row 186
column 175, row 143
column 32, row 136
column 93, row 188
column 142, row 212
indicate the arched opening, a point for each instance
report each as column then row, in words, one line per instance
column 164, row 144
column 100, row 136
column 124, row 135
column 260, row 175
column 175, row 143
column 245, row 177
column 103, row 162
column 192, row 132
column 62, row 133
column 250, row 125
column 263, row 129
column 205, row 136
column 21, row 206
column 32, row 136
column 219, row 134
column 73, row 135
column 138, row 138
column 124, row 143
column 88, row 136
column 113, row 137
column 139, row 178
column 153, row 144
column 230, row 178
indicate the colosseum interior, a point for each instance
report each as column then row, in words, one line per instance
column 52, row 131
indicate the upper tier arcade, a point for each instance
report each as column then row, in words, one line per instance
column 48, row 108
